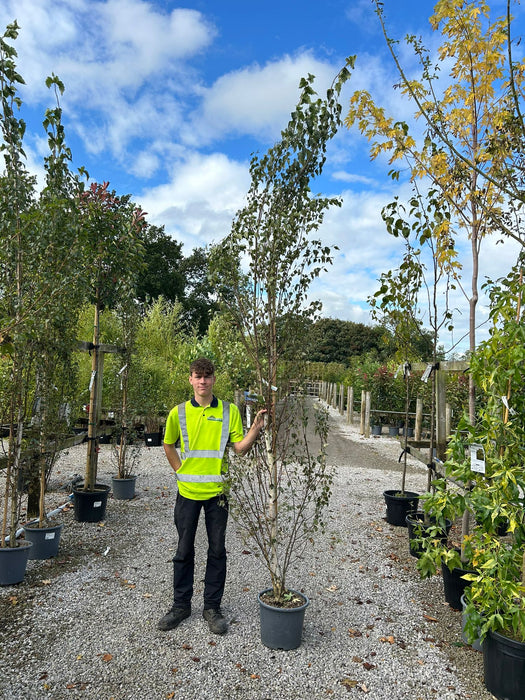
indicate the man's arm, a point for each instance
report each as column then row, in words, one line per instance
column 173, row 456
column 243, row 446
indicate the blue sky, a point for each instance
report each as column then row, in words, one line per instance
column 168, row 100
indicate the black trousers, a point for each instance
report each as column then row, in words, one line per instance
column 186, row 515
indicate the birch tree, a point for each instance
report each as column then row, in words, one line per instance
column 264, row 269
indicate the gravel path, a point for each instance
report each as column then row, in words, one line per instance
column 83, row 625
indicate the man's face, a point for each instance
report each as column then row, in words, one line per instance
column 202, row 384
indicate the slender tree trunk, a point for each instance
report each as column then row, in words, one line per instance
column 92, row 455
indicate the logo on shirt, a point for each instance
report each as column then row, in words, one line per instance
column 219, row 420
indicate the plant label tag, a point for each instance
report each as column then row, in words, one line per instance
column 477, row 458
column 49, row 536
column 97, row 504
column 426, row 373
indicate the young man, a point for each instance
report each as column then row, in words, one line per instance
column 202, row 427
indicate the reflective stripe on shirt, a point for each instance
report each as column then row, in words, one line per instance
column 203, row 454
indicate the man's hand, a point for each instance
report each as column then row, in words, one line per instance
column 260, row 419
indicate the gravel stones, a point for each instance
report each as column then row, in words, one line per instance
column 84, row 625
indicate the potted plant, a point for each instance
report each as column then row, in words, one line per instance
column 397, row 303
column 279, row 498
column 126, row 448
column 495, row 613
column 54, row 367
column 496, row 605
column 153, row 431
column 401, row 504
column 38, row 260
column 487, row 456
column 112, row 226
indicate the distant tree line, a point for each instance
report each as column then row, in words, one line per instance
column 169, row 274
column 332, row 340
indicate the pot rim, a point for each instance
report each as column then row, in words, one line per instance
column 284, row 610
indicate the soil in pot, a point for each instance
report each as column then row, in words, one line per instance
column 399, row 505
column 282, row 627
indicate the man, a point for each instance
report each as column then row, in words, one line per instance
column 203, row 427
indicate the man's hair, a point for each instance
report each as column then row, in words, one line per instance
column 203, row 367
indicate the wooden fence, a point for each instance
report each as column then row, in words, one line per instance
column 343, row 398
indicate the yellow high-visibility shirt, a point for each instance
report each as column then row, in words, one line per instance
column 203, row 434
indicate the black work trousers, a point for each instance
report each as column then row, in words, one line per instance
column 186, row 515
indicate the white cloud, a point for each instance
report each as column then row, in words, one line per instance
column 124, row 65
column 198, row 205
column 343, row 176
column 256, row 100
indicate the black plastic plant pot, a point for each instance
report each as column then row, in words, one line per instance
column 13, row 563
column 454, row 584
column 46, row 540
column 418, row 528
column 90, row 506
column 281, row 628
column 504, row 666
column 123, row 489
column 152, row 439
column 398, row 506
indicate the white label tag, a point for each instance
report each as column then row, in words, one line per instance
column 97, row 504
column 477, row 458
column 50, row 536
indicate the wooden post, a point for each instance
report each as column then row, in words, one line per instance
column 350, row 405
column 448, row 419
column 419, row 418
column 367, row 414
column 363, row 407
column 342, row 399
column 441, row 436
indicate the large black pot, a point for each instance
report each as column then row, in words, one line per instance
column 417, row 528
column 504, row 666
column 454, row 585
column 153, row 439
column 399, row 506
column 282, row 628
column 90, row 506
column 45, row 540
column 13, row 563
column 123, row 489
column 476, row 644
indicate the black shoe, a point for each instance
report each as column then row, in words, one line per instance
column 215, row 620
column 173, row 618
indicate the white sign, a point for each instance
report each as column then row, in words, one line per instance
column 477, row 458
